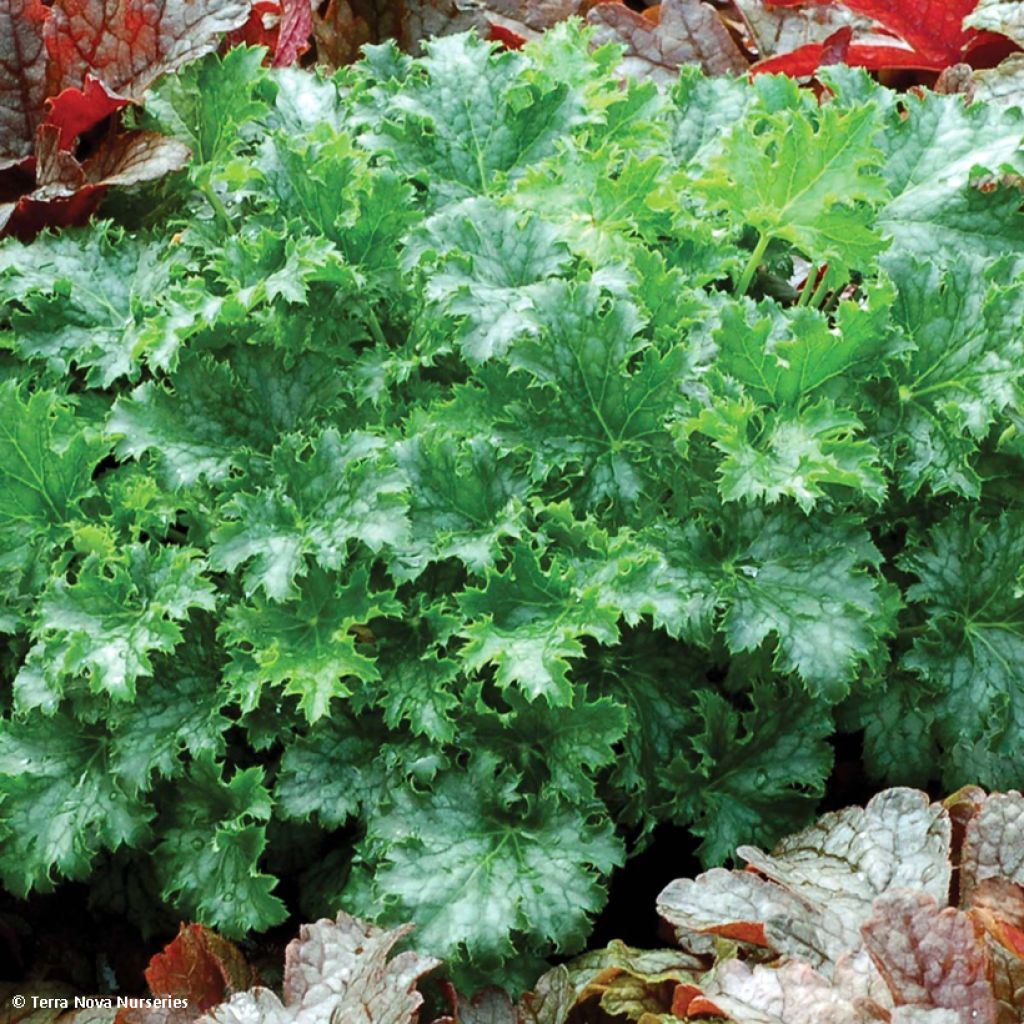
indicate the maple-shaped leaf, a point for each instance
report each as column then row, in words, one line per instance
column 811, row 179
column 221, row 415
column 465, row 118
column 752, row 776
column 338, row 970
column 463, row 501
column 306, row 644
column 211, row 840
column 331, row 773
column 197, row 968
column 492, row 280
column 98, row 299
column 932, row 31
column 468, row 843
column 529, row 620
column 972, row 634
column 107, row 623
column 47, row 460
column 687, row 32
column 810, row 897
column 802, row 455
column 930, row 957
column 563, row 746
column 934, row 148
column 960, row 374
column 323, row 493
column 62, row 805
column 597, row 413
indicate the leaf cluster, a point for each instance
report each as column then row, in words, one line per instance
column 476, row 462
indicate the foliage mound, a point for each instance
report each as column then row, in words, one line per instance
column 475, row 462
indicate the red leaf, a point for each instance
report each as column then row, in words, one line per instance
column 129, row 44
column 295, row 31
column 933, row 28
column 836, row 47
column 199, row 967
column 807, row 59
column 22, row 77
column 509, row 39
column 83, row 60
column 260, row 29
column 67, row 192
column 75, row 111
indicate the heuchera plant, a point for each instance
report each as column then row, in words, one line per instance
column 476, row 462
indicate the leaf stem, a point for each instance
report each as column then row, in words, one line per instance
column 218, row 207
column 808, row 288
column 375, row 328
column 821, row 292
column 752, row 264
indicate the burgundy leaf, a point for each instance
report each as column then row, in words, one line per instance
column 689, row 32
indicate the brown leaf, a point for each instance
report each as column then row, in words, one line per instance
column 22, row 77
column 536, row 14
column 931, row 957
column 67, row 192
column 347, row 25
column 689, row 32
column 551, row 1001
column 993, row 844
column 425, row 19
column 199, row 967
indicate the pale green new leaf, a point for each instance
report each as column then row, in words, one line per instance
column 105, row 626
column 322, row 494
column 813, row 182
column 307, row 644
